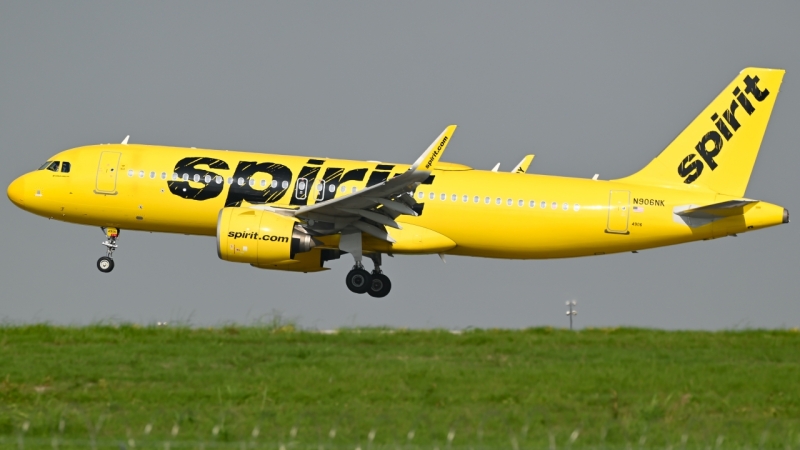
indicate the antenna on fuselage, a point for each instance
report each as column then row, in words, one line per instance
column 125, row 141
column 496, row 167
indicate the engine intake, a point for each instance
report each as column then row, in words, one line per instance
column 259, row 237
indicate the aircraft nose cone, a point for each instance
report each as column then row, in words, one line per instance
column 16, row 191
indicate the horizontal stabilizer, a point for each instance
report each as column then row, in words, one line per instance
column 723, row 209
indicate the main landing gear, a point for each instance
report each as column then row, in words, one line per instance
column 376, row 284
column 106, row 263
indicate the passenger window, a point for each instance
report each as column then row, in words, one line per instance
column 274, row 184
column 565, row 206
column 252, row 182
column 487, row 200
column 554, row 205
column 533, row 204
column 344, row 189
column 576, row 207
column 465, row 199
column 354, row 189
column 476, row 199
column 230, row 180
column 65, row 166
column 174, row 176
column 186, row 177
column 499, row 200
column 130, row 173
column 141, row 174
column 207, row 178
column 520, row 203
column 163, row 175
column 432, row 195
column 454, row 198
column 543, row 204
column 443, row 196
column 152, row 175
column 218, row 179
column 509, row 202
column 420, row 195
column 196, row 178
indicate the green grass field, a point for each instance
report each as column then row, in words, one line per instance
column 275, row 387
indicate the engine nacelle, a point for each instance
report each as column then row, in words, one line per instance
column 259, row 237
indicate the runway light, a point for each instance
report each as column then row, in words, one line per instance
column 572, row 311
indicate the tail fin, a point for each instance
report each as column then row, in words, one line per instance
column 718, row 149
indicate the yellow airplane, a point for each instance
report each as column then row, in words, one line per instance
column 295, row 213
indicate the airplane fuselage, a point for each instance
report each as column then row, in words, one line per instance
column 465, row 211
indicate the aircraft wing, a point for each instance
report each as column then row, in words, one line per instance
column 372, row 209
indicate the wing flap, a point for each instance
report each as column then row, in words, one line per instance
column 374, row 216
column 372, row 230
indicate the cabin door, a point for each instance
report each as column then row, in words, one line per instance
column 619, row 208
column 107, row 173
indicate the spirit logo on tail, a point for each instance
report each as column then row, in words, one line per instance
column 690, row 167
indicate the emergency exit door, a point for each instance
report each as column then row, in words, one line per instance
column 107, row 173
column 618, row 212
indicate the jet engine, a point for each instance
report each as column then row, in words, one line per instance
column 260, row 238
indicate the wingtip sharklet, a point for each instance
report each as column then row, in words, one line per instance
column 522, row 167
column 427, row 161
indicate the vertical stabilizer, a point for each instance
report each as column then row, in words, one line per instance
column 718, row 149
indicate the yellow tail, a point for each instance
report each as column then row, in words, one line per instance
column 718, row 149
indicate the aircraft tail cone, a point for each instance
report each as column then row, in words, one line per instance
column 785, row 215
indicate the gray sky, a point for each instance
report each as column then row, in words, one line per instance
column 587, row 87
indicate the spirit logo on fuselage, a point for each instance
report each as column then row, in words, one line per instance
column 244, row 187
column 690, row 167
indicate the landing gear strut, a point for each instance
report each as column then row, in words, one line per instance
column 106, row 263
column 358, row 280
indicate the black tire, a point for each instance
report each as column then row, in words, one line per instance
column 380, row 286
column 105, row 264
column 358, row 281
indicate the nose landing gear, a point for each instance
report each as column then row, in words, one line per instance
column 106, row 263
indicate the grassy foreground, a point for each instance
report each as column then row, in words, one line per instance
column 273, row 387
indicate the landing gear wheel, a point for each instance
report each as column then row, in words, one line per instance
column 380, row 285
column 358, row 281
column 105, row 264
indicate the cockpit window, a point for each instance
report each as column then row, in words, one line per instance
column 53, row 166
column 44, row 166
column 65, row 166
